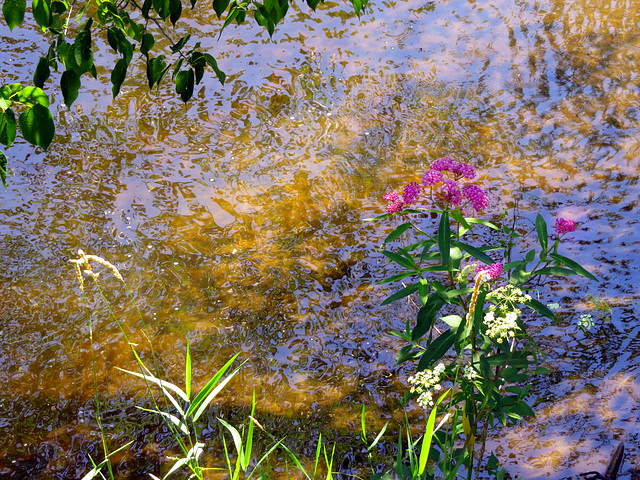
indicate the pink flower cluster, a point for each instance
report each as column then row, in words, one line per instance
column 442, row 180
column 448, row 164
column 490, row 272
column 563, row 226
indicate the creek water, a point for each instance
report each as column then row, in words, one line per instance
column 237, row 222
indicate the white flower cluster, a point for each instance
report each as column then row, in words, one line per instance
column 501, row 327
column 423, row 382
column 509, row 295
column 469, row 373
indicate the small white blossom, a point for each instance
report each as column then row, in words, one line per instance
column 422, row 383
column 469, row 373
column 553, row 306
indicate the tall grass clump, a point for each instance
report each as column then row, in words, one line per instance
column 179, row 408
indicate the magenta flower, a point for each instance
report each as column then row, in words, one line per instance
column 432, row 177
column 395, row 207
column 391, row 197
column 563, row 226
column 465, row 170
column 411, row 193
column 446, row 164
column 491, row 272
column 452, row 193
column 476, row 196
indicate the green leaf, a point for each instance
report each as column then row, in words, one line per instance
column 42, row 72
column 187, row 372
column 118, row 75
column 522, row 409
column 146, row 6
column 219, row 6
column 313, row 4
column 36, row 125
column 453, row 321
column 210, row 390
column 426, row 316
column 7, row 127
column 543, row 234
column 70, row 85
column 42, row 12
column 531, row 254
column 184, row 84
column 512, row 375
column 541, row 308
column 156, row 67
column 82, row 52
column 214, row 65
column 406, row 291
column 3, row 168
column 163, row 7
column 428, row 434
column 13, row 11
column 436, row 350
column 395, row 278
column 519, row 275
column 444, row 239
column 175, row 6
column 358, row 6
column 399, row 259
column 475, row 252
column 576, row 267
column 482, row 222
column 557, row 271
column 181, row 43
column 406, row 353
column 147, row 43
column 32, row 96
column 399, row 230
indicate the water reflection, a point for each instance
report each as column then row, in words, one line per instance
column 237, row 221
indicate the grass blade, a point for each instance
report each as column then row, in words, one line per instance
column 162, row 385
column 428, row 434
column 209, row 392
column 249, row 445
column 187, row 372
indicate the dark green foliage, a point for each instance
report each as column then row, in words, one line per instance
column 13, row 11
column 73, row 33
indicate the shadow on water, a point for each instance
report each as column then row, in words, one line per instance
column 237, row 222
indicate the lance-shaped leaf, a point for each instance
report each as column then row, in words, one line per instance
column 436, row 349
column 444, row 239
column 576, row 267
column 426, row 316
column 543, row 234
column 405, row 292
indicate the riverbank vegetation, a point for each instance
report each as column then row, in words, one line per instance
column 475, row 284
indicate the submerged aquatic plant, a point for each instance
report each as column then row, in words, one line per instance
column 480, row 346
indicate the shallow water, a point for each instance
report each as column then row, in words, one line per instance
column 237, row 221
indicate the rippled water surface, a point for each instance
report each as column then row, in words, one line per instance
column 237, row 222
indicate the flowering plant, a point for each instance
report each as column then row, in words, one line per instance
column 469, row 335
